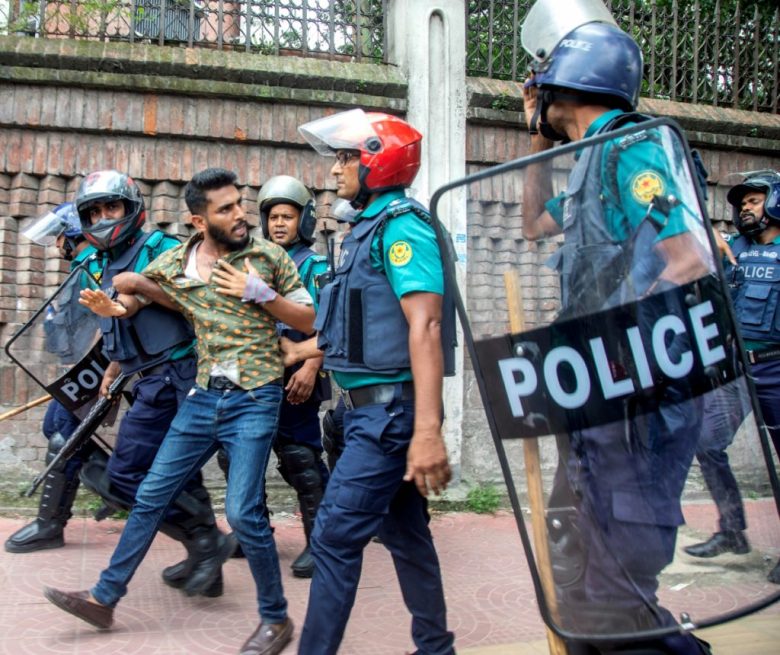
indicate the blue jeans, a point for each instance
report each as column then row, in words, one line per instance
column 244, row 424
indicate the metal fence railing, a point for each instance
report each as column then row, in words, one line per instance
column 334, row 29
column 716, row 52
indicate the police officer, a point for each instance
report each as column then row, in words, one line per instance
column 587, row 83
column 288, row 218
column 158, row 344
column 755, row 290
column 380, row 328
column 724, row 410
column 60, row 227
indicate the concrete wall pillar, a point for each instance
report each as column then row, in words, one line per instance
column 426, row 39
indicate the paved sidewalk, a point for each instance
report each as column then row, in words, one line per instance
column 492, row 607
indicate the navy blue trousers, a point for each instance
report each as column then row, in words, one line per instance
column 724, row 410
column 630, row 476
column 156, row 399
column 767, row 381
column 366, row 496
column 59, row 419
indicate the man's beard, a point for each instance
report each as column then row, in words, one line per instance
column 748, row 218
column 223, row 236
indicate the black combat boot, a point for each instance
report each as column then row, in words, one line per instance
column 207, row 547
column 54, row 510
column 303, row 565
column 177, row 575
column 201, row 573
column 727, row 541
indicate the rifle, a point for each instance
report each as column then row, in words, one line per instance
column 83, row 432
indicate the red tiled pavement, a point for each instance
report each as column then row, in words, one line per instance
column 491, row 603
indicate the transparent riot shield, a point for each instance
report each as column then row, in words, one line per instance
column 60, row 346
column 602, row 337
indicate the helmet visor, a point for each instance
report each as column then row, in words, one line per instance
column 347, row 130
column 549, row 21
column 45, row 230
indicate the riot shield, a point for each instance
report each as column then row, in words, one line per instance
column 60, row 346
column 614, row 381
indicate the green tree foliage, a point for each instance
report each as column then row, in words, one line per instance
column 708, row 51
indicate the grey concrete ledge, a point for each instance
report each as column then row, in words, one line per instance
column 331, row 82
column 500, row 102
column 196, row 88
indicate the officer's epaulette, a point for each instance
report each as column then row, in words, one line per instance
column 619, row 146
column 627, row 141
column 398, row 207
column 401, row 206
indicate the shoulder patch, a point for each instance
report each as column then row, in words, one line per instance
column 647, row 184
column 400, row 253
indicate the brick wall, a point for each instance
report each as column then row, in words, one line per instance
column 162, row 114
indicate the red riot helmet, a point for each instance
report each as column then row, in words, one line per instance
column 105, row 186
column 389, row 147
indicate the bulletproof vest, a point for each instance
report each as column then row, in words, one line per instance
column 755, row 288
column 362, row 328
column 148, row 337
column 321, row 391
column 69, row 327
column 597, row 271
column 299, row 256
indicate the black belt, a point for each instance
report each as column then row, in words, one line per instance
column 760, row 356
column 222, row 383
column 377, row 394
column 158, row 369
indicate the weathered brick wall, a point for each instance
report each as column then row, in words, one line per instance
column 161, row 114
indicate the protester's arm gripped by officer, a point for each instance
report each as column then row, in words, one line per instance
column 229, row 279
column 130, row 298
column 298, row 351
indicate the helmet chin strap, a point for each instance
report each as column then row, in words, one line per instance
column 545, row 98
column 68, row 248
column 361, row 199
column 754, row 229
